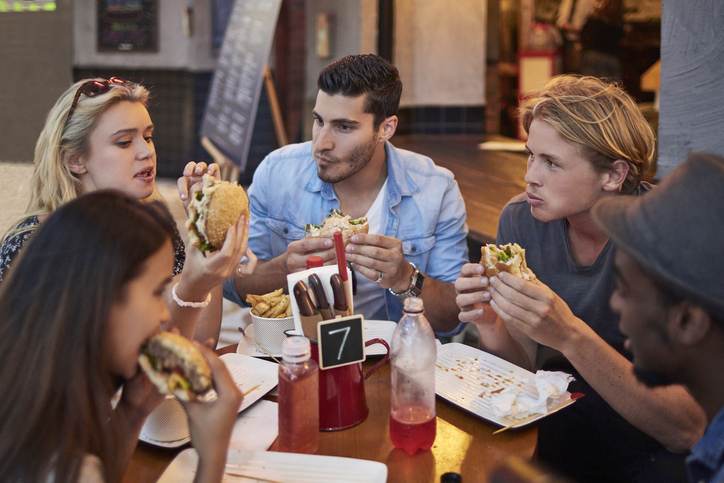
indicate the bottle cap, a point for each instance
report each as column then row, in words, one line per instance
column 296, row 349
column 413, row 305
column 314, row 261
column 451, row 477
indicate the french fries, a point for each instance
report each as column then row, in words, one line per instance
column 272, row 305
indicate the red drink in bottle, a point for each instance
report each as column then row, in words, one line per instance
column 412, row 429
column 412, row 386
column 298, row 398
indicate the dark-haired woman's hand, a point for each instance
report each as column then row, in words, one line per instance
column 139, row 398
column 190, row 181
column 211, row 423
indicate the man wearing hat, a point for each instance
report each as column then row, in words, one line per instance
column 670, row 291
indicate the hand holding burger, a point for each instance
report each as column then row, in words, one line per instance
column 188, row 370
column 175, row 366
column 473, row 284
column 213, row 209
column 218, row 216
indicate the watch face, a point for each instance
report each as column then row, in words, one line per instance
column 416, row 288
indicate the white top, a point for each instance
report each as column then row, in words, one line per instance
column 370, row 298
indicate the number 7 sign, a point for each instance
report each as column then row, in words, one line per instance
column 341, row 341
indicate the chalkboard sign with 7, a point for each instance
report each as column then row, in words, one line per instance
column 341, row 342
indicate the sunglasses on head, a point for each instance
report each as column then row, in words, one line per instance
column 94, row 88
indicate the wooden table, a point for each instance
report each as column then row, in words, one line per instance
column 464, row 443
column 487, row 179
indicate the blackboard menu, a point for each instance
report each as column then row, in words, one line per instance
column 234, row 97
column 127, row 25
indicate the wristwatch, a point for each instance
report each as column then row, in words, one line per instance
column 415, row 288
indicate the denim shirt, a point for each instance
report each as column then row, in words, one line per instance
column 706, row 461
column 423, row 205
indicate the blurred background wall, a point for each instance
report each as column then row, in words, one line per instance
column 692, row 80
column 36, row 55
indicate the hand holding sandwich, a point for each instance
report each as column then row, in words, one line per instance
column 190, row 180
column 138, row 399
column 532, row 308
column 473, row 297
column 211, row 423
column 318, row 239
column 380, row 259
column 218, row 228
column 299, row 250
column 206, row 271
column 473, row 285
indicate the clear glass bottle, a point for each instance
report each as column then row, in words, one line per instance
column 413, row 353
column 298, row 398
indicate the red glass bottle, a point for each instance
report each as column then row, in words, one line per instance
column 298, row 398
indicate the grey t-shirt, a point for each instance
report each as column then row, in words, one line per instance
column 588, row 441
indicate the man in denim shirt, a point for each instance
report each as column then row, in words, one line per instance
column 417, row 238
column 670, row 294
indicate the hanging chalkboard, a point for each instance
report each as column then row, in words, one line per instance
column 128, row 25
column 234, row 98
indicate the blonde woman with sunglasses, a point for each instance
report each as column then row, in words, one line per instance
column 99, row 135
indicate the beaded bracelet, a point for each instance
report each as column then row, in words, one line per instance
column 193, row 305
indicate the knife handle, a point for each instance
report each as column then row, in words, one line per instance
column 340, row 300
column 304, row 302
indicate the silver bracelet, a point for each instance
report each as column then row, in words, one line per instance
column 192, row 305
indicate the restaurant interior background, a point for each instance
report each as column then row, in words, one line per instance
column 465, row 66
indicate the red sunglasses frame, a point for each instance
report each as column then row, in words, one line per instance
column 94, row 88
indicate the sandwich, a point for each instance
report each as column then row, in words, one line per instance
column 175, row 366
column 338, row 221
column 212, row 210
column 505, row 258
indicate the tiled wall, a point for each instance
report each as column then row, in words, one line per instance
column 442, row 120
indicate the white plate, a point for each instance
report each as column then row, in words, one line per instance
column 373, row 329
column 167, row 426
column 286, row 467
column 465, row 376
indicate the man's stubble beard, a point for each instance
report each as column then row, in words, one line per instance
column 358, row 159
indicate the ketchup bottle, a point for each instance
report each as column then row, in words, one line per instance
column 314, row 261
column 298, row 398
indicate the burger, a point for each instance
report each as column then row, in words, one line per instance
column 212, row 210
column 505, row 258
column 175, row 366
column 338, row 221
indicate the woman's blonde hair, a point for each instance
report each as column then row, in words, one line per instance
column 61, row 140
column 600, row 118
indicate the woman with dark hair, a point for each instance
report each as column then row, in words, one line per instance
column 84, row 296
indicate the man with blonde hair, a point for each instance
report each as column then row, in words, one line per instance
column 587, row 141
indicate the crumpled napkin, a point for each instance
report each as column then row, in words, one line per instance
column 512, row 402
